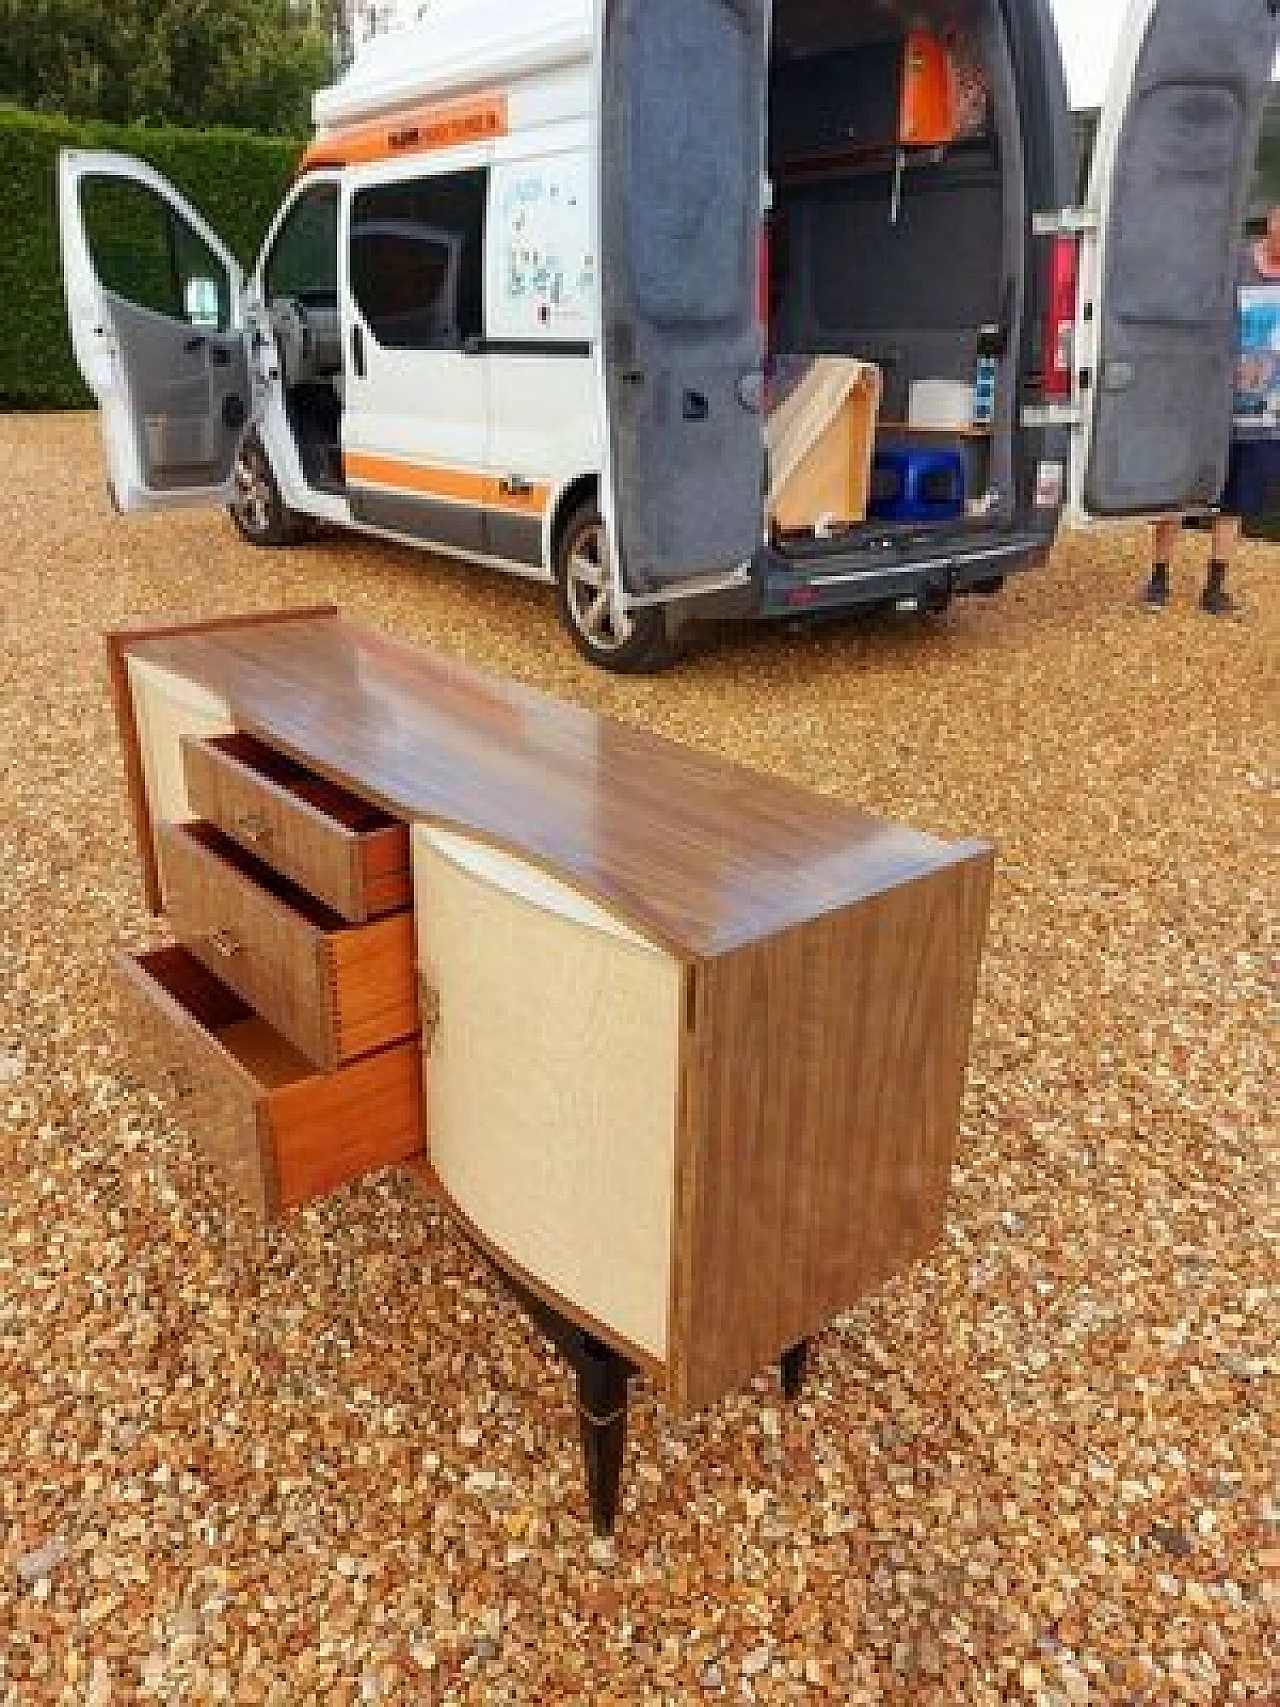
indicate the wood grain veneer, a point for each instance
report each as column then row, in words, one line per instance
column 698, row 853
column 338, row 848
column 280, row 1135
column 821, row 1089
column 336, row 991
column 553, row 1080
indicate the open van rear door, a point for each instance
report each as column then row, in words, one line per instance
column 681, row 113
column 1156, row 333
column 154, row 302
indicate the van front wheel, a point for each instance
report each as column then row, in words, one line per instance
column 257, row 508
column 626, row 642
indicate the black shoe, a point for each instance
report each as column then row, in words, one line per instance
column 1155, row 595
column 1217, row 601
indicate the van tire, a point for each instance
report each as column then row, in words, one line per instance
column 645, row 649
column 258, row 510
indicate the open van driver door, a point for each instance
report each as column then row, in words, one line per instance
column 155, row 304
column 681, row 104
column 1156, row 329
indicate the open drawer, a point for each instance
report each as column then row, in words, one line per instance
column 281, row 1134
column 336, row 991
column 346, row 853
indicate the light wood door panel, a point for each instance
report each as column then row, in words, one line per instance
column 552, row 1081
column 166, row 708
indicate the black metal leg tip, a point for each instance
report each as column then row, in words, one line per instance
column 603, row 1445
column 602, row 1408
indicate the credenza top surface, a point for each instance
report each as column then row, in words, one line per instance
column 703, row 854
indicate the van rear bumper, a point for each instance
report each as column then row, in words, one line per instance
column 834, row 578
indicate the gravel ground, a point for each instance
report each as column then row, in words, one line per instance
column 1041, row 1469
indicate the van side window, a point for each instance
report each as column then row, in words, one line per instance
column 144, row 251
column 417, row 260
column 303, row 262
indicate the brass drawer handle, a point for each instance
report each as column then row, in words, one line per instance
column 225, row 944
column 253, row 827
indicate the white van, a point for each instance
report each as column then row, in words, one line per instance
column 514, row 307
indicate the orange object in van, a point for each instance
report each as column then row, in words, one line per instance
column 929, row 93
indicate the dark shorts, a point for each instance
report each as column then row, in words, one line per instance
column 1253, row 483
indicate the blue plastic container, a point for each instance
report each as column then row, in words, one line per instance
column 913, row 485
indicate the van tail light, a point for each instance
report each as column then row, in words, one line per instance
column 1060, row 330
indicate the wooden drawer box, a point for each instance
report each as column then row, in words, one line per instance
column 281, row 1134
column 336, row 991
column 346, row 853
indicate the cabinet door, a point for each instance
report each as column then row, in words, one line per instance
column 552, row 1084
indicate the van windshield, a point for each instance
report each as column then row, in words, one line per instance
column 303, row 263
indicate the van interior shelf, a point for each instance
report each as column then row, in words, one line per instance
column 956, row 432
column 855, row 161
column 965, row 163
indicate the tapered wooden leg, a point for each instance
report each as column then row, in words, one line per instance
column 795, row 1366
column 602, row 1408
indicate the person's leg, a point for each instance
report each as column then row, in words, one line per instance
column 1164, row 539
column 1216, row 600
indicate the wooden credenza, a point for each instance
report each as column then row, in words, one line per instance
column 681, row 1047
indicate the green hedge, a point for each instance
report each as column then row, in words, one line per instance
column 236, row 180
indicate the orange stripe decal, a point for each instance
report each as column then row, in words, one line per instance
column 453, row 485
column 420, row 130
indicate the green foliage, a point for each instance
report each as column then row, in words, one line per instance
column 247, row 63
column 236, row 181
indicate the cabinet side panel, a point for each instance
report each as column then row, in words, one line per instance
column 166, row 707
column 816, row 1152
column 552, row 1085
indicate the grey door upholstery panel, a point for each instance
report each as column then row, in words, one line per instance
column 189, row 390
column 1162, row 405
column 682, row 139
